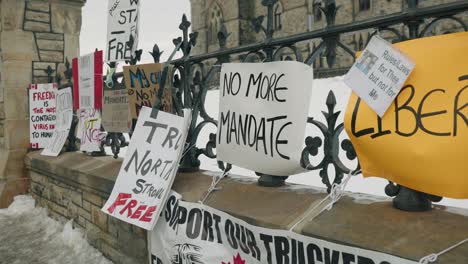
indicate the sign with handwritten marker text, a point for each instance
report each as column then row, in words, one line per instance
column 115, row 110
column 421, row 142
column 378, row 74
column 64, row 103
column 122, row 29
column 263, row 111
column 143, row 83
column 91, row 135
column 149, row 168
column 42, row 114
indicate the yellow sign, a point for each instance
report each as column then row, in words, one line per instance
column 422, row 140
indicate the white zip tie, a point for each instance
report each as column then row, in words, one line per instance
column 433, row 257
column 214, row 183
column 337, row 191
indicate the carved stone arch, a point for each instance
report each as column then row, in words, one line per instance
column 215, row 21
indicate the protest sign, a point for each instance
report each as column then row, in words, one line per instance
column 42, row 113
column 378, row 74
column 421, row 142
column 196, row 232
column 142, row 82
column 115, row 110
column 64, row 120
column 263, row 111
column 89, row 130
column 122, row 24
column 149, row 168
column 87, row 81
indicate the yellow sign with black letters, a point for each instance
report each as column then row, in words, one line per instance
column 422, row 140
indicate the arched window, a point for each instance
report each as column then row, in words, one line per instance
column 215, row 23
column 364, row 5
column 316, row 9
column 277, row 12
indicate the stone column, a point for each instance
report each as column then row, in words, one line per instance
column 33, row 35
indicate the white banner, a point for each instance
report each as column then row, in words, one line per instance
column 149, row 168
column 64, row 103
column 122, row 22
column 195, row 233
column 263, row 111
column 42, row 114
column 89, row 130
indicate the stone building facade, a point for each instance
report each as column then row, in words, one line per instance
column 294, row 17
column 34, row 35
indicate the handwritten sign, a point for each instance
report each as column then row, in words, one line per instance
column 64, row 103
column 149, row 168
column 142, row 83
column 90, row 130
column 191, row 231
column 421, row 142
column 122, row 22
column 87, row 81
column 115, row 111
column 262, row 115
column 42, row 113
column 378, row 74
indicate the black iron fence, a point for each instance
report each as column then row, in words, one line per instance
column 192, row 77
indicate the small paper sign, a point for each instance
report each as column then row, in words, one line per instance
column 87, row 81
column 122, row 22
column 42, row 113
column 378, row 74
column 263, row 111
column 64, row 121
column 149, row 168
column 115, row 110
column 89, row 130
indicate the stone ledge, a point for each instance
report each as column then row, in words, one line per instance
column 374, row 225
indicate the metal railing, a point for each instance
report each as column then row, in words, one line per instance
column 192, row 76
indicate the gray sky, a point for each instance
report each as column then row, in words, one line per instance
column 159, row 23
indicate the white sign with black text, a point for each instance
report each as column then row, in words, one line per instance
column 378, row 74
column 263, row 111
column 195, row 233
column 64, row 102
column 149, row 168
column 122, row 23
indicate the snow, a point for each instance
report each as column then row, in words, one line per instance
column 28, row 235
column 321, row 87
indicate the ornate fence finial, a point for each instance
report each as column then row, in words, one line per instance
column 156, row 54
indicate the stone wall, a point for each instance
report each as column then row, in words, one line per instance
column 33, row 36
column 74, row 186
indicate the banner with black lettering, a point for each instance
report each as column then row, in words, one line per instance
column 42, row 114
column 149, row 168
column 196, row 233
column 263, row 111
column 122, row 29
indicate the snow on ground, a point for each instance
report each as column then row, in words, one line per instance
column 28, row 235
column 320, row 90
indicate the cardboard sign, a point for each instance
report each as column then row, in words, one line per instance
column 122, row 22
column 262, row 115
column 378, row 74
column 142, row 82
column 87, row 81
column 115, row 111
column 421, row 142
column 64, row 103
column 201, row 234
column 42, row 113
column 89, row 130
column 149, row 168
